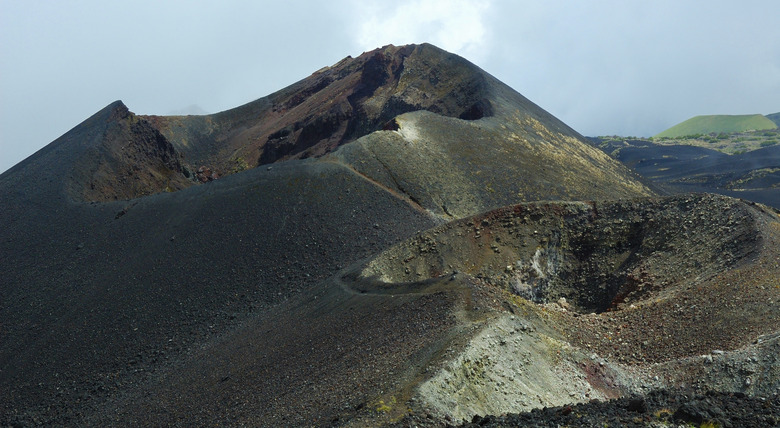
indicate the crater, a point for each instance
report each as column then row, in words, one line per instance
column 598, row 256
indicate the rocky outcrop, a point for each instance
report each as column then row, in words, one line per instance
column 130, row 159
column 334, row 106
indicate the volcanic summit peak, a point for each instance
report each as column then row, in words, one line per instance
column 339, row 104
column 468, row 142
column 310, row 118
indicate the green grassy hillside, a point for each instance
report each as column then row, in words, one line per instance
column 719, row 123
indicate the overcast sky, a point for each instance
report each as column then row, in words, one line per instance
column 604, row 67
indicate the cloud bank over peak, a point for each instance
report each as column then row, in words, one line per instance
column 456, row 26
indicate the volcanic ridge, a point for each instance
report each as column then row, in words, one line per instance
column 399, row 239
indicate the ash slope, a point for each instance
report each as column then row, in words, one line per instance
column 664, row 293
column 101, row 297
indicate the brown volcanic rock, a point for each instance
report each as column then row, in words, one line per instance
column 333, row 106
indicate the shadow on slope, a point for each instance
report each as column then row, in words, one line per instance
column 105, row 294
column 753, row 175
column 318, row 359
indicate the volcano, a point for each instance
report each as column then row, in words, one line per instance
column 397, row 235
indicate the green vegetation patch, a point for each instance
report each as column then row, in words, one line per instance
column 700, row 125
column 728, row 143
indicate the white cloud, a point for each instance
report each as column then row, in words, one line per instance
column 454, row 25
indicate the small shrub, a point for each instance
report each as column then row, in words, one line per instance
column 663, row 414
column 239, row 164
column 692, row 136
column 382, row 407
